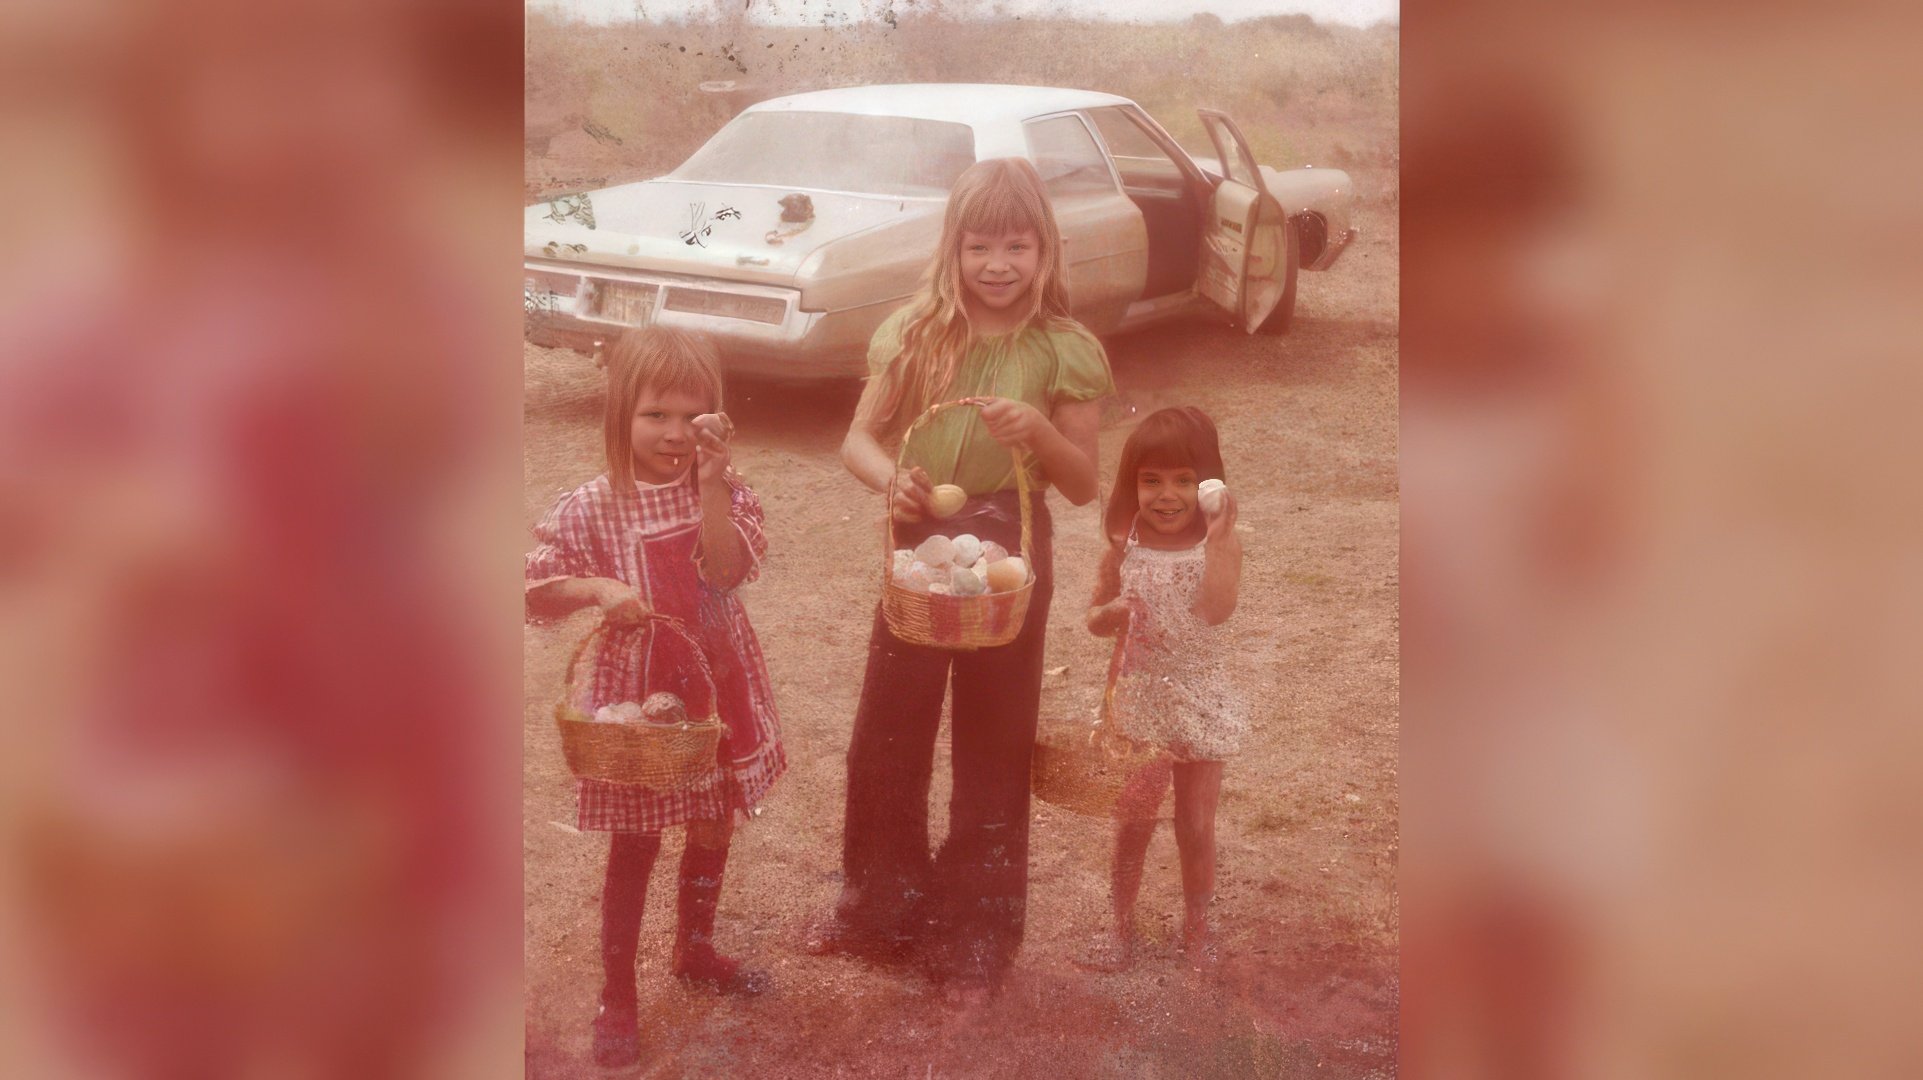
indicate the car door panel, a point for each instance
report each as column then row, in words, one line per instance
column 1244, row 243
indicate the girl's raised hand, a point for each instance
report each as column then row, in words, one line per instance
column 1222, row 522
column 912, row 491
column 1014, row 424
column 712, row 432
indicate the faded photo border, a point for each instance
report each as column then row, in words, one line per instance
column 1307, row 828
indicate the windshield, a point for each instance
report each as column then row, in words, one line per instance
column 879, row 155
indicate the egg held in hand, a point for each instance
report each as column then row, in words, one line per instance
column 1209, row 493
column 946, row 499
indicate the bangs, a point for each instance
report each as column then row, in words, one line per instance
column 1163, row 442
column 679, row 373
column 667, row 361
column 999, row 209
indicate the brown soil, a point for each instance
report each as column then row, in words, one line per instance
column 1307, row 831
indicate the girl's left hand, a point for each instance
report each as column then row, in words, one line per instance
column 711, row 446
column 1222, row 522
column 1014, row 424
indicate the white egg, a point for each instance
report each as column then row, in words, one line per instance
column 993, row 552
column 920, row 576
column 966, row 583
column 1209, row 494
column 621, row 712
column 904, row 559
column 967, row 549
column 936, row 551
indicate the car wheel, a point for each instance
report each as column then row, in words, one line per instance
column 1284, row 313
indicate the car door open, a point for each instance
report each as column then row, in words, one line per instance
column 1244, row 268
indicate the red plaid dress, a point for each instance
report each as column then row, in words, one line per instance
column 651, row 539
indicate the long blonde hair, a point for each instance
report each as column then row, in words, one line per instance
column 661, row 357
column 994, row 198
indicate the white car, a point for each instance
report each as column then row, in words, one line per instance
column 807, row 219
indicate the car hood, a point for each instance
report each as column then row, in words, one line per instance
column 707, row 229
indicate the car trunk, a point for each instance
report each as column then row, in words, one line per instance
column 709, row 230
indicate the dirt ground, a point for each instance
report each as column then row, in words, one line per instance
column 1308, row 823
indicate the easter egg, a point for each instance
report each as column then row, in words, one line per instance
column 1209, row 494
column 664, row 708
column 1007, row 575
column 920, row 576
column 993, row 552
column 967, row 549
column 946, row 499
column 936, row 551
column 904, row 559
column 621, row 712
column 964, row 582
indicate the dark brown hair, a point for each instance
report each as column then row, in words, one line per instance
column 1178, row 438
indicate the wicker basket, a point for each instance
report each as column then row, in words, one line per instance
column 955, row 622
column 676, row 758
column 1088, row 776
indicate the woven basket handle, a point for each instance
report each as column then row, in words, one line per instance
column 901, row 457
column 653, row 618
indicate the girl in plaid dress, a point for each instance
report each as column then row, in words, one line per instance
column 669, row 528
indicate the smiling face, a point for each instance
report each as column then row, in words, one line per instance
column 1167, row 500
column 997, row 271
column 663, row 433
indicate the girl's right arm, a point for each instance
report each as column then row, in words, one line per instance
column 1107, row 611
column 561, row 570
column 865, row 457
column 618, row 600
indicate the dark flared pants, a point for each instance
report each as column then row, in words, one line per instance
column 964, row 906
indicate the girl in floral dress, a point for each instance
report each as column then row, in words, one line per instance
column 1166, row 584
column 671, row 529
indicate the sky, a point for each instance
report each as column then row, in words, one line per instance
column 798, row 12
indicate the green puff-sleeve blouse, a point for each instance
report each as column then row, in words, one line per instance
column 1043, row 368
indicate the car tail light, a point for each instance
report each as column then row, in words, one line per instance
column 765, row 309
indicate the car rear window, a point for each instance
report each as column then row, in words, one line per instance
column 878, row 155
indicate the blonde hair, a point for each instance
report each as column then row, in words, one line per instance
column 658, row 357
column 994, row 197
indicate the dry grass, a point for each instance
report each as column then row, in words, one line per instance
column 1304, row 93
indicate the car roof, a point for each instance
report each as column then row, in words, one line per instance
column 975, row 104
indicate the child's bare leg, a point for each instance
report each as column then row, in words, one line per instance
column 1197, row 786
column 1135, row 810
column 1131, row 851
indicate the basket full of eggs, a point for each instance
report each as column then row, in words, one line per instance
column 654, row 743
column 957, row 592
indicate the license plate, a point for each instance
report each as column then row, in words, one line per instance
column 625, row 302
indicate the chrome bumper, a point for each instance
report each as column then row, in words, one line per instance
column 1333, row 252
column 584, row 308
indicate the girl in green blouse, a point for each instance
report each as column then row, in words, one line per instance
column 990, row 322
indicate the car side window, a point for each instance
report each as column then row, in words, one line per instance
column 1139, row 158
column 1067, row 157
